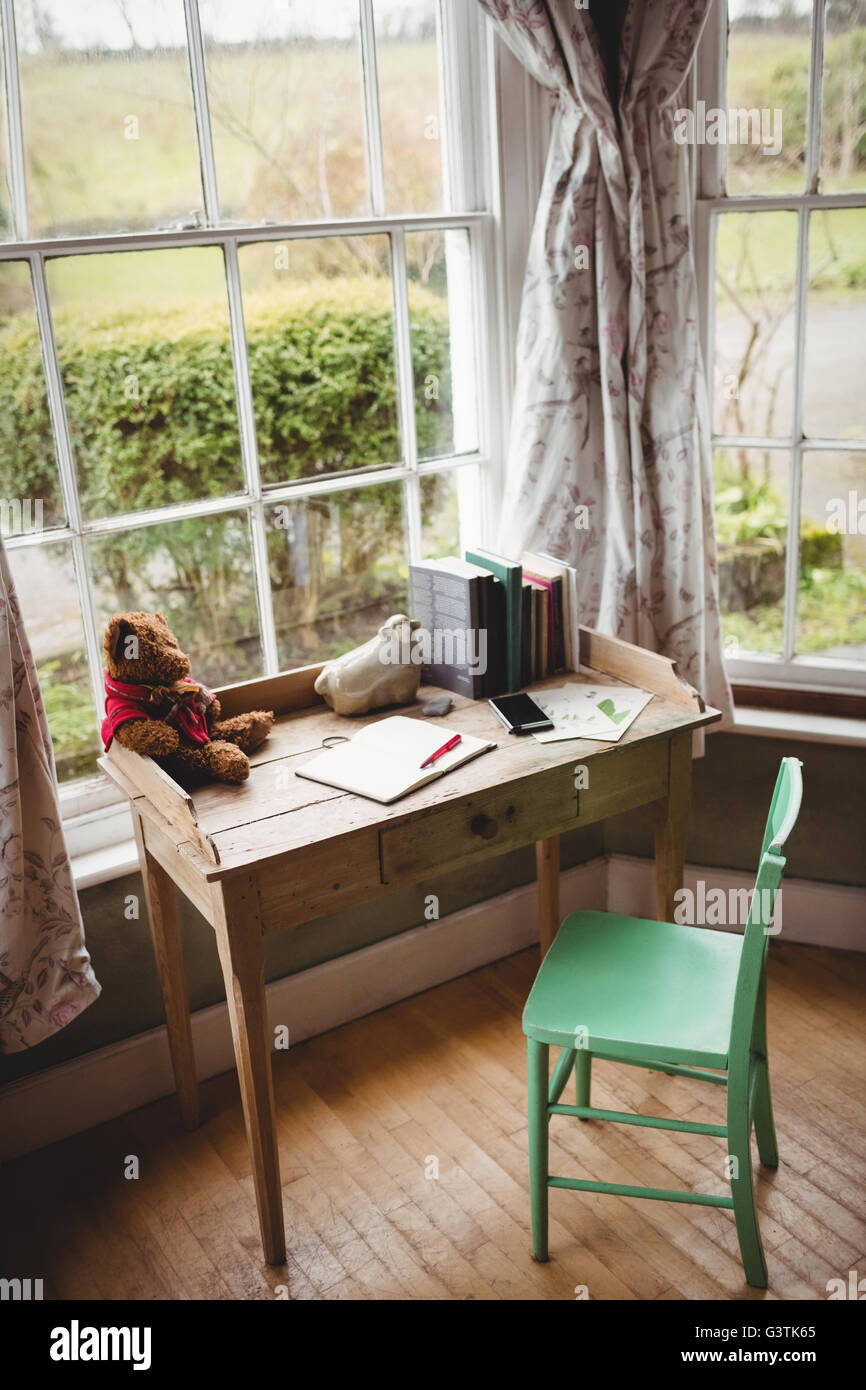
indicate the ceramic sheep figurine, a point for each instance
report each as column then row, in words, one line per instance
column 381, row 672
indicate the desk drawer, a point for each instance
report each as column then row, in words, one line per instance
column 492, row 822
column 504, row 818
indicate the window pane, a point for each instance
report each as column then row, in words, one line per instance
column 769, row 45
column 834, row 404
column 45, row 581
column 831, row 607
column 443, row 349
column 751, row 530
column 412, row 135
column 338, row 570
column 109, row 130
column 756, row 256
column 29, row 483
column 198, row 573
column 319, row 316
column 440, row 515
column 843, row 120
column 287, row 108
column 143, row 342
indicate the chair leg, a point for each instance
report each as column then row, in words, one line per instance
column 745, row 1215
column 537, row 1060
column 582, row 1076
column 765, row 1129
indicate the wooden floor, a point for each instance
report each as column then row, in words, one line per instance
column 403, row 1152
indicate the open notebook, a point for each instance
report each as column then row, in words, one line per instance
column 383, row 761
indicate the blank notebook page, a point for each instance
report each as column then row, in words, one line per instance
column 383, row 761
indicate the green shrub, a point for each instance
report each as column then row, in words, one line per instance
column 151, row 402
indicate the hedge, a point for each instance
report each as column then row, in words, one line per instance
column 151, row 400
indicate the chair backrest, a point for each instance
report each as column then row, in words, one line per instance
column 784, row 809
column 785, row 805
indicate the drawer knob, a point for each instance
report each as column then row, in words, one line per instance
column 485, row 827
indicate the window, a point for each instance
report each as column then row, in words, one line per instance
column 781, row 250
column 244, row 278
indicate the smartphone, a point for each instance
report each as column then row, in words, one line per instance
column 520, row 714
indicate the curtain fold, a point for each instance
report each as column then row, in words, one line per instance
column 46, row 978
column 609, row 461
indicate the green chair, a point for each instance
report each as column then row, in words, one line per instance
column 673, row 998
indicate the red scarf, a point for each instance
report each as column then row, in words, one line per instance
column 182, row 705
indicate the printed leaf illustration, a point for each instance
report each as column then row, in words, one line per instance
column 608, row 707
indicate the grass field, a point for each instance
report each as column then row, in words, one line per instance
column 288, row 134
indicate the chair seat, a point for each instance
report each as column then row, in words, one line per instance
column 632, row 987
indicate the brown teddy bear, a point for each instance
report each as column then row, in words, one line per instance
column 153, row 705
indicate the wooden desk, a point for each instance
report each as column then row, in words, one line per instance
column 281, row 850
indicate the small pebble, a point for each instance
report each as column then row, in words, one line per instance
column 435, row 708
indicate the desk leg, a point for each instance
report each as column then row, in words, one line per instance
column 161, row 901
column 547, row 875
column 238, row 928
column 670, row 826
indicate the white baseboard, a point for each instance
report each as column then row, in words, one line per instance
column 62, row 1100
column 814, row 914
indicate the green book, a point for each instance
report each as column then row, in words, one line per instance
column 511, row 574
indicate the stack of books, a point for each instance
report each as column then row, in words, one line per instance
column 490, row 625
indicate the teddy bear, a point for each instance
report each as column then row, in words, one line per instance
column 154, row 706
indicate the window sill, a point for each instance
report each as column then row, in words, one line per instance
column 811, row 728
column 103, row 865
column 101, row 844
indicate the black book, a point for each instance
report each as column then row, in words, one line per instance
column 495, row 625
column 526, row 647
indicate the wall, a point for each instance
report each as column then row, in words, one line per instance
column 731, row 795
column 732, row 786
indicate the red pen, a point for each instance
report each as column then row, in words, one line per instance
column 446, row 748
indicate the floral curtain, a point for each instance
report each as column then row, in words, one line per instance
column 46, row 978
column 609, row 463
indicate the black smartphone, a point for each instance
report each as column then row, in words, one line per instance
column 520, row 714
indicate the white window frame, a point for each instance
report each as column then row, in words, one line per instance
column 469, row 68
column 712, row 201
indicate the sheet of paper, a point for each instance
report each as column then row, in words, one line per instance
column 590, row 711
